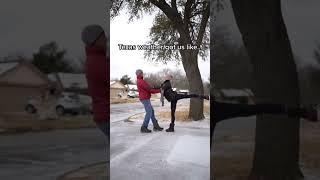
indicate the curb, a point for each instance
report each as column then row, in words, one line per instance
column 63, row 176
column 128, row 119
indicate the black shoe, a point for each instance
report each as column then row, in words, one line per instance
column 156, row 127
column 171, row 128
column 206, row 97
column 145, row 130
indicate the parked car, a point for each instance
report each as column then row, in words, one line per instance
column 66, row 103
column 86, row 104
column 133, row 94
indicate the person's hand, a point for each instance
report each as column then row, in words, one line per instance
column 162, row 101
column 162, row 98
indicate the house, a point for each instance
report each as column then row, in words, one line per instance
column 117, row 89
column 70, row 82
column 20, row 81
column 235, row 95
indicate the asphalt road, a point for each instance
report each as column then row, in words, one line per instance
column 182, row 155
column 47, row 155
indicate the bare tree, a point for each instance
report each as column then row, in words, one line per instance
column 277, row 137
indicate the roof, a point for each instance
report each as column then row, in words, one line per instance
column 117, row 85
column 5, row 67
column 69, row 80
column 9, row 67
column 112, row 82
column 236, row 92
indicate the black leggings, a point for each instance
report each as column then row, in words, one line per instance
column 222, row 111
column 175, row 100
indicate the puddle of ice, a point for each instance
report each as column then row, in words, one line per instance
column 191, row 149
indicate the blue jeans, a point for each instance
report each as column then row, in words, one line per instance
column 149, row 113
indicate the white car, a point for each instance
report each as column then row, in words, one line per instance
column 133, row 94
column 66, row 103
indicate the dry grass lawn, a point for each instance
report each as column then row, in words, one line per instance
column 123, row 101
column 95, row 172
column 181, row 113
column 238, row 166
column 25, row 122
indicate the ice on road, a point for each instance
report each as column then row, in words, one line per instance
column 182, row 155
column 192, row 149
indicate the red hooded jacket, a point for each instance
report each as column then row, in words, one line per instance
column 145, row 89
column 98, row 75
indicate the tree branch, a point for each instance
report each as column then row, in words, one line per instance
column 173, row 15
column 167, row 10
column 203, row 25
column 174, row 5
column 187, row 11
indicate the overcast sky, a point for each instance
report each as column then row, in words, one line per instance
column 26, row 25
column 302, row 20
column 137, row 33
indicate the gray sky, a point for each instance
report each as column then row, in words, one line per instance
column 26, row 25
column 302, row 20
column 136, row 33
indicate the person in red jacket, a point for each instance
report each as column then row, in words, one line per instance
column 145, row 92
column 97, row 74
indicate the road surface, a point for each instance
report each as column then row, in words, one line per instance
column 47, row 155
column 182, row 155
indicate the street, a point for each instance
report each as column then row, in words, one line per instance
column 47, row 155
column 182, row 155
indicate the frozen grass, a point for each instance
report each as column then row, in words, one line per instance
column 181, row 114
column 123, row 101
column 129, row 100
column 233, row 168
column 15, row 123
column 96, row 172
column 237, row 165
